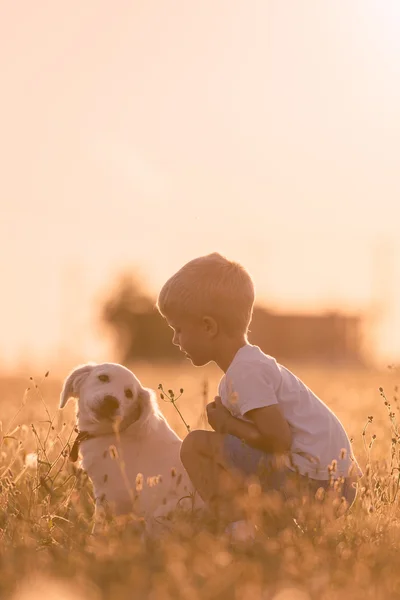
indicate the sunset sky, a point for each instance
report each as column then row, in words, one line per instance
column 139, row 134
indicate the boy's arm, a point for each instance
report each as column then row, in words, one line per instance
column 271, row 434
column 269, row 431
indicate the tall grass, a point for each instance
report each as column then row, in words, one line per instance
column 300, row 552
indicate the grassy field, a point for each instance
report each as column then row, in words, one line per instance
column 46, row 508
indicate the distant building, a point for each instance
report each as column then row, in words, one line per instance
column 330, row 337
column 141, row 333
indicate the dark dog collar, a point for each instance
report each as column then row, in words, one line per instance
column 81, row 437
column 85, row 435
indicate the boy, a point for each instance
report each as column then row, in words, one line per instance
column 263, row 416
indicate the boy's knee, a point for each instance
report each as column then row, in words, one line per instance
column 194, row 443
column 199, row 442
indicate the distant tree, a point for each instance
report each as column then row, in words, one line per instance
column 139, row 331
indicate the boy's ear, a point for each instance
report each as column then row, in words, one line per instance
column 210, row 326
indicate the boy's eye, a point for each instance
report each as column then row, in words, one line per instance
column 104, row 378
column 128, row 393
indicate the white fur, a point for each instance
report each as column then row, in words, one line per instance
column 148, row 446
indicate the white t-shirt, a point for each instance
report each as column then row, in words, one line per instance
column 256, row 380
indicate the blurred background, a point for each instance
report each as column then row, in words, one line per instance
column 139, row 134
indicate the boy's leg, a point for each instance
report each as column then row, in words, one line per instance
column 203, row 458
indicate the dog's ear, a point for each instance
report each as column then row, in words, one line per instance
column 148, row 401
column 73, row 382
column 144, row 395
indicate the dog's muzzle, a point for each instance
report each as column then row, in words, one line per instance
column 107, row 408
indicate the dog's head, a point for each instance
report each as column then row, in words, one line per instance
column 109, row 396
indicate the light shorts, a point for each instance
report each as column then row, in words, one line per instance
column 250, row 461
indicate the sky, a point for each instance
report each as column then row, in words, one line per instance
column 136, row 135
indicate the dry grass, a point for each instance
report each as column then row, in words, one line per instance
column 46, row 510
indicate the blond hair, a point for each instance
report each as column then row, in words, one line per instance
column 213, row 286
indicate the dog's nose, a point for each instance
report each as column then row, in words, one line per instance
column 110, row 403
column 108, row 406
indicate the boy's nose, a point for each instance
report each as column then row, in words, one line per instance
column 175, row 340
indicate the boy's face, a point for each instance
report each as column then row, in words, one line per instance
column 192, row 336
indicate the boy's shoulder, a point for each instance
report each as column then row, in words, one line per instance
column 251, row 363
column 250, row 355
column 251, row 381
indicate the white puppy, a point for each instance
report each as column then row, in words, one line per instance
column 128, row 449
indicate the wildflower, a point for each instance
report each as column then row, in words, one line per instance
column 139, row 482
column 31, row 460
column 153, row 481
column 113, row 452
column 172, row 398
column 223, row 559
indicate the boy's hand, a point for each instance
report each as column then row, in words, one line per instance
column 217, row 415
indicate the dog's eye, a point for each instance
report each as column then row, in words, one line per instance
column 104, row 378
column 128, row 393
